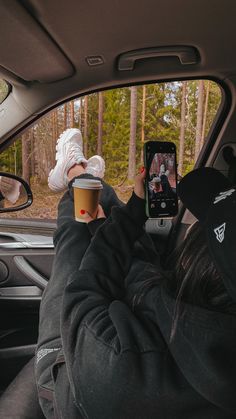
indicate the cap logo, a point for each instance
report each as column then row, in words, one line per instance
column 223, row 195
column 220, row 232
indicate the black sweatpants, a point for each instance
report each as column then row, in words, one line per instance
column 71, row 240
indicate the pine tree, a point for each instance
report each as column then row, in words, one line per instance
column 65, row 116
column 182, row 128
column 85, row 125
column 116, row 131
column 143, row 120
column 205, row 113
column 133, row 128
column 26, row 142
column 199, row 118
column 72, row 114
column 100, row 123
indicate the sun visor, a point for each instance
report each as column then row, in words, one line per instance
column 26, row 50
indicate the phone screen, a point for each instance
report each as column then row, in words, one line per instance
column 161, row 182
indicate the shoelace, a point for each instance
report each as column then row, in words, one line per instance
column 74, row 150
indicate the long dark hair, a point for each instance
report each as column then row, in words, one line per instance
column 193, row 278
column 196, row 279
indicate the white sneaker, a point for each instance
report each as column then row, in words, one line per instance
column 96, row 166
column 69, row 151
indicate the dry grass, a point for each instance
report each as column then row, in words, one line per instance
column 45, row 202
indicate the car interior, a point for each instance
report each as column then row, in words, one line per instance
column 52, row 52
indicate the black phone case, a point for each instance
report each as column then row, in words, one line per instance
column 153, row 147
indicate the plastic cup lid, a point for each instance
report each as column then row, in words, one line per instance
column 87, row 184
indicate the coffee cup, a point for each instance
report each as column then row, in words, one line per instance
column 86, row 198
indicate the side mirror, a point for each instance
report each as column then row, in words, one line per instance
column 15, row 193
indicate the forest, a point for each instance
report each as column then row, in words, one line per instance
column 115, row 124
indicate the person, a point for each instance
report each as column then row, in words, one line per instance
column 156, row 188
column 162, row 170
column 9, row 189
column 167, row 189
column 161, row 187
column 121, row 335
column 164, row 179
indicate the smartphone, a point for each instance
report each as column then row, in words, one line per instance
column 161, row 179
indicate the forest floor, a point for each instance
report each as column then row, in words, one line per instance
column 45, row 202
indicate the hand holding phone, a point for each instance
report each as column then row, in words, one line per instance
column 139, row 188
column 161, row 179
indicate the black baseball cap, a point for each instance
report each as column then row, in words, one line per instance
column 211, row 198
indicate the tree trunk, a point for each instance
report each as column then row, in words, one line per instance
column 86, row 126
column 182, row 128
column 100, row 123
column 54, row 126
column 72, row 114
column 44, row 149
column 199, row 118
column 65, row 116
column 143, row 121
column 15, row 159
column 26, row 157
column 133, row 127
column 80, row 115
column 205, row 114
column 32, row 157
column 53, row 139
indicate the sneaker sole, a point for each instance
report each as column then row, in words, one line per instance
column 99, row 167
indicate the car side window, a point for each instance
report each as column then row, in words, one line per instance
column 115, row 124
column 4, row 90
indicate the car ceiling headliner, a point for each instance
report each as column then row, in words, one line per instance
column 50, row 40
column 45, row 43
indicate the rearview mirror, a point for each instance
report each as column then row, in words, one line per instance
column 15, row 193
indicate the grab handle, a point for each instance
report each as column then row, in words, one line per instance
column 186, row 55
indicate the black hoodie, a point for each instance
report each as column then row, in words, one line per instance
column 117, row 358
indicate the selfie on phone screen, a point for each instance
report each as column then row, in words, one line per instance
column 161, row 180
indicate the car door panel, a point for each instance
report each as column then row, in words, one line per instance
column 18, row 333
column 25, row 266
